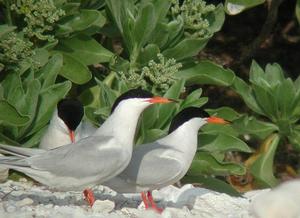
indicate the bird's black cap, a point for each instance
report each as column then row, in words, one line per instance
column 133, row 93
column 71, row 112
column 185, row 115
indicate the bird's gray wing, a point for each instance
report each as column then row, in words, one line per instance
column 87, row 157
column 152, row 164
column 19, row 151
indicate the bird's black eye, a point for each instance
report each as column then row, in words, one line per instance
column 185, row 115
column 133, row 93
column 71, row 112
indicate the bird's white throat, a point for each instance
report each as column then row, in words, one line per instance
column 123, row 121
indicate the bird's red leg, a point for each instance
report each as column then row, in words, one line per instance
column 89, row 196
column 152, row 203
column 145, row 200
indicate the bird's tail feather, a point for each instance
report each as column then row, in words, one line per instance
column 19, row 151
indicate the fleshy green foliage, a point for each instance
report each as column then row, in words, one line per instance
column 277, row 99
column 148, row 28
column 273, row 96
column 29, row 101
column 194, row 14
column 39, row 16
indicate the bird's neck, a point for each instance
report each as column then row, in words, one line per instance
column 184, row 139
column 121, row 125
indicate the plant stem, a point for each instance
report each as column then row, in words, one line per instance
column 133, row 57
column 7, row 13
column 8, row 140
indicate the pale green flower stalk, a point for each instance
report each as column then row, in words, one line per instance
column 161, row 74
column 133, row 79
column 14, row 49
column 193, row 13
column 156, row 76
column 40, row 17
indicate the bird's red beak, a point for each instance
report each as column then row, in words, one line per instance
column 72, row 135
column 159, row 100
column 216, row 120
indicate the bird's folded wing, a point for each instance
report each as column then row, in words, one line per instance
column 152, row 165
column 88, row 157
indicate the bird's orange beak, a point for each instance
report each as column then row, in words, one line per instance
column 216, row 120
column 72, row 135
column 159, row 100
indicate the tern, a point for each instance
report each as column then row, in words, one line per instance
column 165, row 161
column 66, row 125
column 91, row 160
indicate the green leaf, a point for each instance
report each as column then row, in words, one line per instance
column 205, row 163
column 10, row 115
column 166, row 111
column 294, row 138
column 35, row 139
column 160, row 35
column 41, row 56
column 107, row 95
column 222, row 143
column 285, row 95
column 148, row 53
column 28, row 104
column 245, row 92
column 188, row 47
column 233, row 7
column 90, row 97
column 74, row 70
column 226, row 113
column 152, row 135
column 4, row 29
column 161, row 8
column 207, row 72
column 262, row 168
column 266, row 100
column 250, row 125
column 175, row 29
column 211, row 128
column 77, row 22
column 144, row 24
column 13, row 89
column 274, row 74
column 149, row 117
column 297, row 11
column 194, row 100
column 47, row 102
column 212, row 183
column 216, row 19
column 47, row 75
column 115, row 8
column 257, row 75
column 95, row 27
column 86, row 49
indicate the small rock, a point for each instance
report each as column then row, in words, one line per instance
column 283, row 201
column 10, row 208
column 24, row 202
column 3, row 173
column 22, row 179
column 105, row 206
column 171, row 212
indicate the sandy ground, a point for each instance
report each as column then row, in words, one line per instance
column 26, row 199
